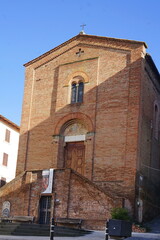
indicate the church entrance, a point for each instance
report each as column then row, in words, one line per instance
column 75, row 156
column 45, row 210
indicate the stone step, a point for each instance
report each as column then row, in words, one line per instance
column 38, row 230
column 22, row 225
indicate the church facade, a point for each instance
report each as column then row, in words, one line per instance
column 89, row 136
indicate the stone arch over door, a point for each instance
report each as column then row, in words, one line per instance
column 75, row 143
column 71, row 116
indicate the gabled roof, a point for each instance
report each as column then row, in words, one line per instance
column 83, row 36
column 9, row 123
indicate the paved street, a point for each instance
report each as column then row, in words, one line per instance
column 97, row 235
column 144, row 236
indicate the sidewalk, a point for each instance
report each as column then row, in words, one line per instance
column 96, row 235
column 143, row 236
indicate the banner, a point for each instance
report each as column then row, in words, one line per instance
column 47, row 180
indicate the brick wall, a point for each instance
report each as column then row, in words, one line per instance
column 112, row 71
column 77, row 197
column 148, row 166
column 23, row 193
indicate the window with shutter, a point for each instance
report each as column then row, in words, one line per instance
column 7, row 135
column 5, row 159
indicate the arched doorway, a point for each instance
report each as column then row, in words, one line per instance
column 73, row 147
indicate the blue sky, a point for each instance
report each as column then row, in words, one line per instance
column 29, row 28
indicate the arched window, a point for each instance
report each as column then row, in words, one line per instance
column 73, row 92
column 77, row 90
column 80, row 92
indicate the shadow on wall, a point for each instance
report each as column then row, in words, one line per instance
column 113, row 109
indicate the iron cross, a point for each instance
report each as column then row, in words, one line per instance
column 82, row 26
column 79, row 53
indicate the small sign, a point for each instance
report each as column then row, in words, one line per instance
column 6, row 209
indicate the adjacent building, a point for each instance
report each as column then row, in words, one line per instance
column 9, row 140
column 90, row 136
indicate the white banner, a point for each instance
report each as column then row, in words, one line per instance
column 47, row 180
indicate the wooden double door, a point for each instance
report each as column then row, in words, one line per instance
column 75, row 156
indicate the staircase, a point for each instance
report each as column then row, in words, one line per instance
column 23, row 229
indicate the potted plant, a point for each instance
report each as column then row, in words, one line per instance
column 120, row 225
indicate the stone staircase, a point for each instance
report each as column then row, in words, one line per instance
column 24, row 229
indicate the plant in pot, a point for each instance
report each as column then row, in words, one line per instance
column 120, row 225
